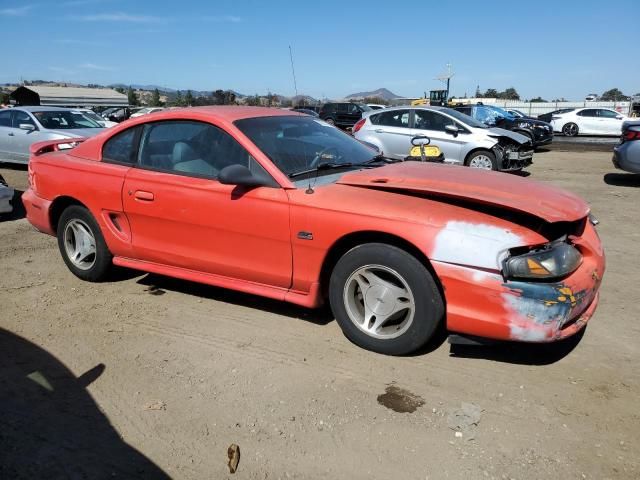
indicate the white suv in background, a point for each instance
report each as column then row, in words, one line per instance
column 462, row 140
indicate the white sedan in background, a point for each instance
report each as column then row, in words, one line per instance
column 146, row 111
column 589, row 121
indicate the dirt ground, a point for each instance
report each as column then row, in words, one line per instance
column 176, row 372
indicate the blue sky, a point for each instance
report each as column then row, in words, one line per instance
column 548, row 48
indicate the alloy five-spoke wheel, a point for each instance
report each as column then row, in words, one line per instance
column 385, row 299
column 81, row 244
column 379, row 302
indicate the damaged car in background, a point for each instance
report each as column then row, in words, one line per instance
column 462, row 140
column 283, row 205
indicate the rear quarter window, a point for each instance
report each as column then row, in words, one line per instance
column 122, row 147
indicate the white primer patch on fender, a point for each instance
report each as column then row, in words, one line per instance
column 473, row 244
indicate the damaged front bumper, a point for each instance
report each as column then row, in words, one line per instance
column 511, row 157
column 484, row 304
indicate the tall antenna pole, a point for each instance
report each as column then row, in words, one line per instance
column 293, row 71
column 446, row 77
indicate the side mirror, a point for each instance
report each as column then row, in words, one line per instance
column 420, row 140
column 27, row 126
column 239, row 175
column 452, row 130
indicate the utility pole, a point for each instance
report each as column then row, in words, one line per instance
column 446, row 77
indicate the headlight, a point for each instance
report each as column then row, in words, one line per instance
column 524, row 125
column 555, row 262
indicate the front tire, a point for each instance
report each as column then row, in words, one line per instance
column 82, row 245
column 570, row 129
column 384, row 299
column 482, row 159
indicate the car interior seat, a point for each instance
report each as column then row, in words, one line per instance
column 186, row 159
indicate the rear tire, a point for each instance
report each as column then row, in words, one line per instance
column 82, row 245
column 384, row 299
column 482, row 159
column 570, row 129
column 330, row 121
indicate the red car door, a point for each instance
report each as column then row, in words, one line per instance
column 181, row 216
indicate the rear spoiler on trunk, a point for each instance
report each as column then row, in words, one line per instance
column 39, row 148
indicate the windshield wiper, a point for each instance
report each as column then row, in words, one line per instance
column 381, row 158
column 324, row 166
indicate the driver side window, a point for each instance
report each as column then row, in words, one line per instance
column 191, row 148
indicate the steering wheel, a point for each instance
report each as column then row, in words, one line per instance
column 316, row 160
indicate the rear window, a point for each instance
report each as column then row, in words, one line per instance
column 393, row 118
column 122, row 148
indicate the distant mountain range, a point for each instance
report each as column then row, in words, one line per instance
column 379, row 93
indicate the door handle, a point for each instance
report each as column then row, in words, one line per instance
column 379, row 130
column 144, row 196
column 11, row 134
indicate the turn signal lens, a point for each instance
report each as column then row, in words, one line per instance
column 554, row 262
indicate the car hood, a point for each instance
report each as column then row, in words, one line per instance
column 77, row 132
column 490, row 188
column 501, row 132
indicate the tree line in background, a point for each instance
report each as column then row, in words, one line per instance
column 178, row 99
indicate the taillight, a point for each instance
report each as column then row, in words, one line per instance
column 31, row 177
column 358, row 125
column 631, row 135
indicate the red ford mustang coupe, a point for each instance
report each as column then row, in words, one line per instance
column 283, row 205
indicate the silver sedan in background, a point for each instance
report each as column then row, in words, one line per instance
column 21, row 127
column 461, row 139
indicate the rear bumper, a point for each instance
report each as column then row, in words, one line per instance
column 625, row 159
column 37, row 209
column 483, row 304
